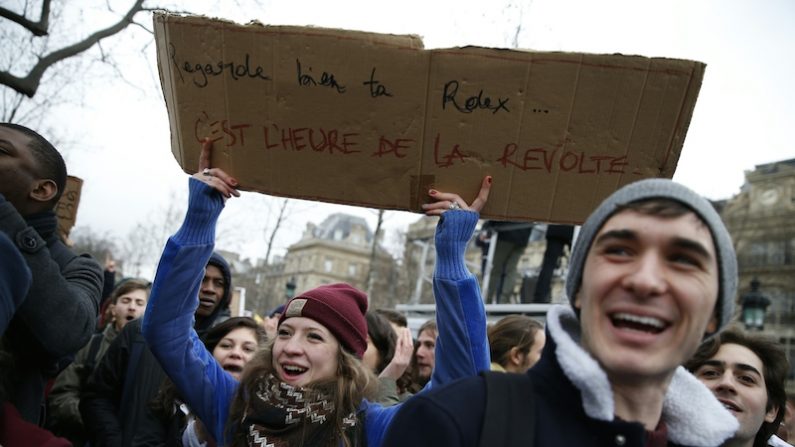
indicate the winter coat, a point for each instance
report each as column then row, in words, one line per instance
column 59, row 313
column 115, row 405
column 64, row 398
column 116, row 396
column 14, row 280
column 573, row 404
column 461, row 350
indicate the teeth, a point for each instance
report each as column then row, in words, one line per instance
column 294, row 369
column 648, row 321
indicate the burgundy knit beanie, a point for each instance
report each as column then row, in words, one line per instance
column 340, row 308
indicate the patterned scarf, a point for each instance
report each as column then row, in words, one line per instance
column 281, row 415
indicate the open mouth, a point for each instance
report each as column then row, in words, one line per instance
column 129, row 318
column 292, row 371
column 638, row 323
column 731, row 406
column 233, row 369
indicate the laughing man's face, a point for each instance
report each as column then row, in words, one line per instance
column 648, row 294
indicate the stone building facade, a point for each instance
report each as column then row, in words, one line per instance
column 760, row 219
column 337, row 250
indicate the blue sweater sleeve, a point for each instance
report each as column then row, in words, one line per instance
column 462, row 348
column 169, row 318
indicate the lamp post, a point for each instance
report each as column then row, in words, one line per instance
column 289, row 288
column 754, row 305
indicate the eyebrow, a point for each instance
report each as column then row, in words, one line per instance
column 740, row 366
column 624, row 235
column 679, row 242
column 3, row 140
column 691, row 245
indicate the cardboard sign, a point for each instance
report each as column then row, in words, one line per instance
column 66, row 208
column 375, row 120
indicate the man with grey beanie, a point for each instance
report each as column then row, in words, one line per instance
column 652, row 274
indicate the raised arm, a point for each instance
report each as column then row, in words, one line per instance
column 169, row 317
column 462, row 347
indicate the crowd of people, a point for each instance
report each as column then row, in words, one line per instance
column 646, row 353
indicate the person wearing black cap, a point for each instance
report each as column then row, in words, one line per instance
column 652, row 274
column 308, row 386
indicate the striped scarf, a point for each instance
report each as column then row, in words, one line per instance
column 281, row 415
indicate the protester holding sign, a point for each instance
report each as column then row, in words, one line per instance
column 320, row 337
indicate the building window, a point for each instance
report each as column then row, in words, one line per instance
column 352, row 269
column 776, row 252
column 328, row 265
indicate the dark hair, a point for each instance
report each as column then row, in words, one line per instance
column 393, row 316
column 383, row 337
column 775, row 368
column 127, row 286
column 162, row 405
column 214, row 336
column 512, row 331
column 50, row 163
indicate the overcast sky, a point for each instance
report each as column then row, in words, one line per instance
column 743, row 117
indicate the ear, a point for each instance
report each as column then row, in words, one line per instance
column 577, row 299
column 712, row 324
column 44, row 190
column 771, row 414
column 515, row 356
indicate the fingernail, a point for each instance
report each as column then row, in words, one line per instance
column 234, row 182
column 488, row 180
column 432, row 192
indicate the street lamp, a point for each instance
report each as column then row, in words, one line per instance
column 754, row 305
column 289, row 288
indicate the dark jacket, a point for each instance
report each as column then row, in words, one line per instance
column 117, row 393
column 67, row 390
column 566, row 414
column 116, row 401
column 59, row 313
column 516, row 233
column 14, row 280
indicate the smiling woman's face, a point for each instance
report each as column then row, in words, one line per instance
column 305, row 352
column 235, row 350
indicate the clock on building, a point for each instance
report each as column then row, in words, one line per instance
column 769, row 196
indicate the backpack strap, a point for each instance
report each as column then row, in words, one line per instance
column 509, row 418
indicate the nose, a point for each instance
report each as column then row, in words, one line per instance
column 293, row 346
column 726, row 383
column 236, row 352
column 648, row 277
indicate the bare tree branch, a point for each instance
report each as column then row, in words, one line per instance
column 30, row 83
column 40, row 28
column 278, row 224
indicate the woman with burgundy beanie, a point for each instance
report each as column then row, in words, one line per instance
column 308, row 386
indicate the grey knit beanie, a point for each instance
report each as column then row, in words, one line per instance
column 661, row 189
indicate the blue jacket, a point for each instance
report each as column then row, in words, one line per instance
column 461, row 350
